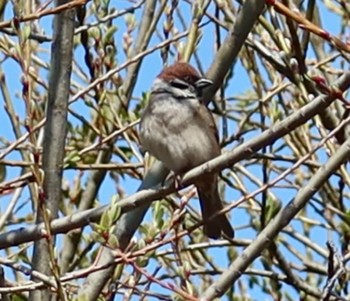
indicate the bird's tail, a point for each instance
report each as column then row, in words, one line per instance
column 210, row 202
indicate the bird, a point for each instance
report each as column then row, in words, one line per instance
column 179, row 130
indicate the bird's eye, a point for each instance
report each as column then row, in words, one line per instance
column 177, row 83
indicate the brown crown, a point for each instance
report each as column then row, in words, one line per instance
column 182, row 71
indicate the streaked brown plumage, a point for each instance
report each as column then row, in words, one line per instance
column 180, row 131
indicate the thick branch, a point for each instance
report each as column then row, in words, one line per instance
column 281, row 220
column 54, row 137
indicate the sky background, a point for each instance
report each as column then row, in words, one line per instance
column 239, row 85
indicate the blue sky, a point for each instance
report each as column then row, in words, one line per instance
column 151, row 66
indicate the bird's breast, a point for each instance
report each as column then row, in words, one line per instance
column 172, row 131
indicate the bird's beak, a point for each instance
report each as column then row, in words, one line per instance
column 203, row 83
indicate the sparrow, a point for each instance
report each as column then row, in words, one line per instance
column 179, row 130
